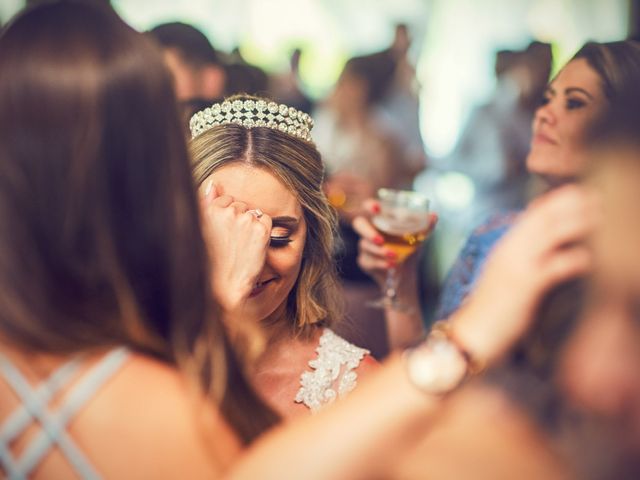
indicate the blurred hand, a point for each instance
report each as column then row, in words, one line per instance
column 237, row 242
column 373, row 257
column 546, row 246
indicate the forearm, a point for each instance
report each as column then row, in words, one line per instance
column 357, row 438
column 405, row 325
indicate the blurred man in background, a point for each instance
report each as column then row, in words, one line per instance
column 197, row 68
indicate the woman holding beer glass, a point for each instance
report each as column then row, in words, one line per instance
column 581, row 93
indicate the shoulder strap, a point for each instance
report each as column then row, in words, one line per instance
column 19, row 420
column 54, row 423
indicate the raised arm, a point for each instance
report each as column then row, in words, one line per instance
column 361, row 436
column 404, row 326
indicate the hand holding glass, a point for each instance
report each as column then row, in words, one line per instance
column 403, row 222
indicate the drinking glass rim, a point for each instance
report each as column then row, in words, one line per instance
column 405, row 195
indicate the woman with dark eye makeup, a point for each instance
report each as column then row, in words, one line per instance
column 581, row 93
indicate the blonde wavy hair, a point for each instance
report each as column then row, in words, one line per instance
column 298, row 165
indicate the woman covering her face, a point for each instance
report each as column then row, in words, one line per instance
column 256, row 164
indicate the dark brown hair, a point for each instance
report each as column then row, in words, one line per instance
column 193, row 45
column 100, row 242
column 376, row 71
column 616, row 63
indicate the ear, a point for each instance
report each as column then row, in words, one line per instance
column 213, row 79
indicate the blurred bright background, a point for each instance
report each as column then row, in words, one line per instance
column 454, row 40
column 453, row 50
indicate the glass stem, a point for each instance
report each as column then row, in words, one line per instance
column 391, row 286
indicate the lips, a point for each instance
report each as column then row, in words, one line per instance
column 260, row 286
column 540, row 137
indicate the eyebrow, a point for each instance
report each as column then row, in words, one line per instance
column 285, row 221
column 550, row 90
column 579, row 90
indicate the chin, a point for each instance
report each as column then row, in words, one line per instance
column 539, row 163
column 269, row 311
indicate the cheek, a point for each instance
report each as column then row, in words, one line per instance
column 574, row 130
column 286, row 262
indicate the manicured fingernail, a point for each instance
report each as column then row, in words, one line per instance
column 391, row 255
column 378, row 240
column 391, row 264
column 375, row 208
column 208, row 189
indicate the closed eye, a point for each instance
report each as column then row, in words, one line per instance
column 280, row 236
column 279, row 242
column 281, row 231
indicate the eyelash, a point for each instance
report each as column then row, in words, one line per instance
column 574, row 104
column 279, row 242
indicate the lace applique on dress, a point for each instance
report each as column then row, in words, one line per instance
column 333, row 373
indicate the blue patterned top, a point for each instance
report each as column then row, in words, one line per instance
column 465, row 271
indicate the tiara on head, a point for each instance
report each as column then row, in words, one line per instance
column 251, row 113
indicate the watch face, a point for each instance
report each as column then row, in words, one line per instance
column 436, row 366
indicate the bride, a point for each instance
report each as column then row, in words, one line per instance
column 265, row 184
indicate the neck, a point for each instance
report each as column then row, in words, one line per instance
column 281, row 339
column 551, row 182
column 276, row 328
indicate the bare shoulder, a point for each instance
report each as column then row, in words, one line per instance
column 367, row 365
column 148, row 423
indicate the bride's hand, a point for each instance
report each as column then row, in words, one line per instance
column 237, row 239
column 546, row 246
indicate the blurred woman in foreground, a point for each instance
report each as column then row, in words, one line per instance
column 108, row 336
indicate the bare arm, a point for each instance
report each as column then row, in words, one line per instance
column 404, row 327
column 363, row 435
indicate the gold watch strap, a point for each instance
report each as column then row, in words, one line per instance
column 443, row 328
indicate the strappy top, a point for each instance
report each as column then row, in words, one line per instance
column 34, row 408
column 333, row 374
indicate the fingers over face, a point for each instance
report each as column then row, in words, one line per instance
column 223, row 201
column 238, row 207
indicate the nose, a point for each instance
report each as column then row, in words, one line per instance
column 545, row 114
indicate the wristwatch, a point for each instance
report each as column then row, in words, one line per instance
column 438, row 365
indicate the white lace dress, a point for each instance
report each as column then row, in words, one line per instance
column 332, row 372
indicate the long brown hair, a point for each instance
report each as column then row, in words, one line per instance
column 100, row 241
column 298, row 165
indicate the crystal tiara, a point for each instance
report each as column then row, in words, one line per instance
column 253, row 113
